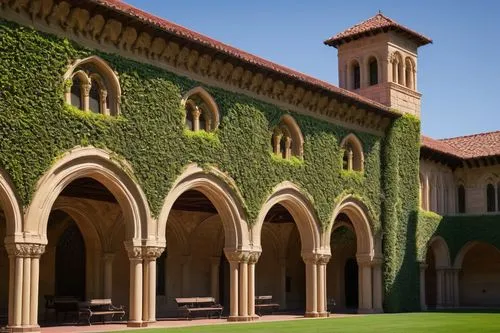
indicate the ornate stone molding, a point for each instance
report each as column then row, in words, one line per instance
column 238, row 256
column 316, row 258
column 253, row 257
column 134, row 252
column 165, row 48
column 152, row 252
column 25, row 250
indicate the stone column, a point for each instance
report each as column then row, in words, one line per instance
column 378, row 295
column 234, row 266
column 86, row 93
column 108, row 274
column 426, row 197
column 196, row 119
column 214, row 277
column 252, row 260
column 439, row 287
column 150, row 254
column 423, row 302
column 243, row 287
column 311, row 285
column 456, row 292
column 136, row 285
column 321, row 266
column 365, row 284
column 23, row 291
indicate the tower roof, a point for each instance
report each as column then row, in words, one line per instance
column 374, row 25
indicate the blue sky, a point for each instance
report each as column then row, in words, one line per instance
column 458, row 75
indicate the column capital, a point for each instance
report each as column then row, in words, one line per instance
column 237, row 256
column 134, row 252
column 316, row 258
column 152, row 252
column 25, row 250
column 364, row 259
column 253, row 257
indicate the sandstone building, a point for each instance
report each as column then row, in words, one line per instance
column 141, row 161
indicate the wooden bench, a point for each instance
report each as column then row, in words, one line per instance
column 264, row 304
column 99, row 307
column 61, row 304
column 193, row 305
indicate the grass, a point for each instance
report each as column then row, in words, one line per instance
column 386, row 323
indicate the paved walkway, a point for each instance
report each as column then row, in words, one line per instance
column 169, row 323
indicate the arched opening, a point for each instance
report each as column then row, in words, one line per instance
column 355, row 75
column 342, row 270
column 353, row 158
column 479, row 279
column 350, row 238
column 280, row 271
column 91, row 85
column 490, row 198
column 287, row 139
column 437, row 287
column 202, row 112
column 409, row 73
column 431, row 280
column 373, row 71
column 461, row 199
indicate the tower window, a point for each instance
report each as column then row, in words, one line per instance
column 490, row 198
column 356, row 76
column 373, row 68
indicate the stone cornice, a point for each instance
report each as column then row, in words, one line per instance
column 99, row 27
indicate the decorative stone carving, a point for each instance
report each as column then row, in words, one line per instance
column 289, row 91
column 111, row 31
column 19, row 5
column 171, row 52
column 95, row 26
column 278, row 89
column 60, row 13
column 316, row 258
column 128, row 38
column 297, row 96
column 253, row 257
column 225, row 72
column 306, row 99
column 266, row 86
column 134, row 252
column 25, row 250
column 77, row 20
column 246, row 79
column 214, row 68
column 256, row 82
column 157, row 46
column 192, row 60
column 236, row 76
column 152, row 252
column 182, row 58
column 237, row 256
column 203, row 64
column 143, row 43
column 41, row 9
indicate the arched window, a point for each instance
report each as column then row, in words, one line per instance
column 91, row 85
column 287, row 139
column 397, row 68
column 373, row 70
column 409, row 73
column 421, row 192
column 355, row 75
column 202, row 112
column 490, row 198
column 461, row 199
column 353, row 158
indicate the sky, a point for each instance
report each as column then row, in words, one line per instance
column 458, row 75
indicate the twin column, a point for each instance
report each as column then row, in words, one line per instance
column 24, row 261
column 242, row 284
column 316, row 284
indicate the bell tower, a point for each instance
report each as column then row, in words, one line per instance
column 377, row 59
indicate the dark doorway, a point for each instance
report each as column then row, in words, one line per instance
column 224, row 281
column 351, row 284
column 70, row 263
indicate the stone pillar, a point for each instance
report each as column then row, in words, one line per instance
column 282, row 268
column 196, row 119
column 311, row 285
column 365, row 284
column 86, row 93
column 456, row 290
column 252, row 260
column 233, row 287
column 243, row 288
column 150, row 253
column 426, row 197
column 321, row 266
column 136, row 285
column 108, row 274
column 423, row 302
column 214, row 277
column 378, row 295
column 24, row 269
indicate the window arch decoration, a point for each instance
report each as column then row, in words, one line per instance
column 287, row 139
column 92, row 85
column 372, row 70
column 397, row 67
column 355, row 74
column 202, row 112
column 409, row 73
column 353, row 159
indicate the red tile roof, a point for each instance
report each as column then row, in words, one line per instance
column 376, row 24
column 182, row 32
column 466, row 147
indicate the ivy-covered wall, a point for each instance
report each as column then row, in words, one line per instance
column 36, row 127
column 457, row 231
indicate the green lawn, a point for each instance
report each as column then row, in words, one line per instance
column 386, row 323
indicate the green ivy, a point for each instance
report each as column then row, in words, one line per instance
column 36, row 127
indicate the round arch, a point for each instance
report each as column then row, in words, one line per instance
column 366, row 65
column 207, row 99
column 296, row 133
column 291, row 197
column 10, row 205
column 440, row 250
column 218, row 188
column 360, row 218
column 463, row 252
column 101, row 166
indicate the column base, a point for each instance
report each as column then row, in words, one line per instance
column 311, row 315
column 137, row 324
column 239, row 318
column 366, row 311
column 378, row 310
column 23, row 328
column 254, row 317
column 323, row 314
